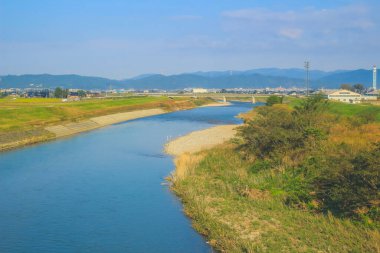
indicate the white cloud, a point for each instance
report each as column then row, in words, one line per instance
column 260, row 14
column 291, row 33
column 310, row 26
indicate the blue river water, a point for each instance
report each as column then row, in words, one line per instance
column 102, row 191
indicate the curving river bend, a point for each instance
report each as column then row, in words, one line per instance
column 102, row 191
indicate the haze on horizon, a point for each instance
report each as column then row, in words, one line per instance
column 120, row 39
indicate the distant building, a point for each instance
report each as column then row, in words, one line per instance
column 73, row 98
column 345, row 96
column 199, row 90
column 372, row 95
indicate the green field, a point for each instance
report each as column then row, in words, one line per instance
column 344, row 109
column 355, row 110
column 26, row 113
column 23, row 120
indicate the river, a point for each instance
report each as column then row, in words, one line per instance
column 102, row 191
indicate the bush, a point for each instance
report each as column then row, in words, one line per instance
column 274, row 100
column 311, row 167
column 278, row 130
column 351, row 188
column 260, row 165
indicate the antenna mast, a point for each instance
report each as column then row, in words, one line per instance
column 374, row 85
column 307, row 81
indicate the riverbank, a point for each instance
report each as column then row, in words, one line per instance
column 101, row 121
column 243, row 204
column 30, row 121
column 217, row 104
column 200, row 140
column 215, row 187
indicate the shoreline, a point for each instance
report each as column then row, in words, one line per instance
column 187, row 154
column 197, row 141
column 70, row 129
column 217, row 104
column 65, row 130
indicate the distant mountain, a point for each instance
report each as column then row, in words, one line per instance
column 52, row 81
column 290, row 73
column 142, row 76
column 257, row 78
column 362, row 76
column 218, row 81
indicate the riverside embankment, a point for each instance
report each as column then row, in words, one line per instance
column 244, row 204
column 30, row 121
column 64, row 130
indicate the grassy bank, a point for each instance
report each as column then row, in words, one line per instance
column 232, row 208
column 363, row 111
column 22, row 120
column 298, row 179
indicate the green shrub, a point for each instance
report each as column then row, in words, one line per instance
column 274, row 100
column 278, row 131
column 308, row 167
column 351, row 188
column 260, row 165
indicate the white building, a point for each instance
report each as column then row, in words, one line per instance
column 372, row 95
column 199, row 90
column 345, row 96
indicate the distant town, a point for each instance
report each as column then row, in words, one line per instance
column 347, row 93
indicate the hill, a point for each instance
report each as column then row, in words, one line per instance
column 52, row 81
column 256, row 78
column 349, row 77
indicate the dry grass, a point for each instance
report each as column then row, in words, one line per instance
column 185, row 165
column 227, row 204
column 355, row 136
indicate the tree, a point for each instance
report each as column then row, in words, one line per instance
column 65, row 93
column 81, row 93
column 58, row 92
column 61, row 93
column 274, row 100
column 346, row 87
column 359, row 87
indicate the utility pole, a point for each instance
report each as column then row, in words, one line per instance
column 374, row 84
column 307, row 81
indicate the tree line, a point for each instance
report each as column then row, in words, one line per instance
column 64, row 93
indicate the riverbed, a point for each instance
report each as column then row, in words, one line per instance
column 102, row 191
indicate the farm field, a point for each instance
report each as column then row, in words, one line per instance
column 25, row 118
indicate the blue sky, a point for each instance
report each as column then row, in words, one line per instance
column 120, row 38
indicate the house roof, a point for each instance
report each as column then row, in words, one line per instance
column 344, row 92
column 374, row 92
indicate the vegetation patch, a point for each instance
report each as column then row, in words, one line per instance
column 293, row 181
column 23, row 119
